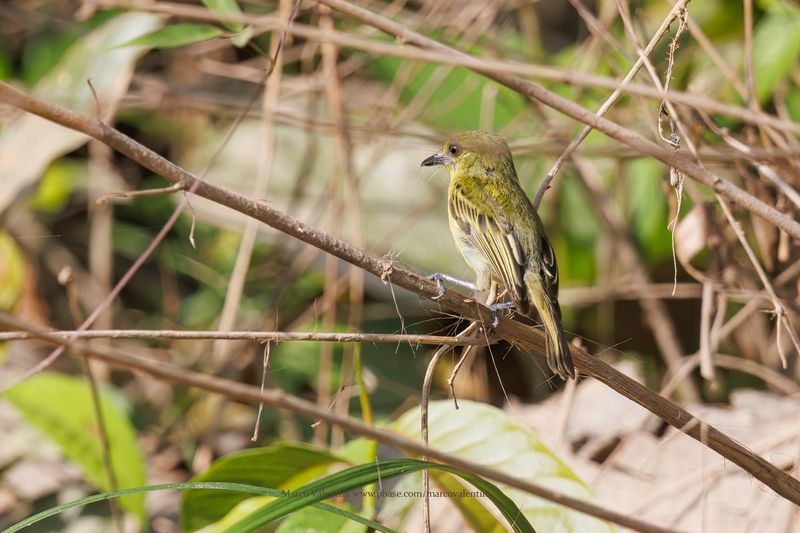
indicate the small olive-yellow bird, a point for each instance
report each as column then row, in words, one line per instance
column 500, row 235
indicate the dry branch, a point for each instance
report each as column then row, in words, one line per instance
column 261, row 336
column 523, row 336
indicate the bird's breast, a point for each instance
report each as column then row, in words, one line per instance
column 474, row 258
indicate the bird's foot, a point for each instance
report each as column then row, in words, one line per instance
column 440, row 278
column 494, row 308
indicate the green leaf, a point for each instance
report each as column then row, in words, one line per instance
column 61, row 407
column 359, row 476
column 201, row 308
column 12, row 272
column 477, row 515
column 280, row 466
column 240, row 40
column 226, row 7
column 310, row 519
column 139, row 491
column 61, row 178
column 175, row 35
column 360, row 450
column 776, row 49
column 579, row 233
column 648, row 206
column 486, row 435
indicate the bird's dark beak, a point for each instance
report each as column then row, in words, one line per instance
column 437, row 159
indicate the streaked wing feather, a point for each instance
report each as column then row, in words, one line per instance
column 550, row 270
column 494, row 237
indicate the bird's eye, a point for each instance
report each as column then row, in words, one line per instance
column 454, row 149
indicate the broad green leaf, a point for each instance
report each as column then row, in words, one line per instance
column 175, row 35
column 6, row 65
column 61, row 407
column 12, row 271
column 226, row 7
column 279, row 466
column 310, row 519
column 362, row 475
column 345, row 519
column 394, row 512
column 240, row 39
column 776, row 49
column 793, row 103
column 357, row 451
column 477, row 515
column 648, row 206
column 59, row 180
column 239, row 511
column 579, row 233
column 139, row 491
column 201, row 308
column 486, row 435
column 92, row 57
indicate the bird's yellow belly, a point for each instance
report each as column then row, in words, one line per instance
column 475, row 260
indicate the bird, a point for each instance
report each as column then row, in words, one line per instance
column 500, row 235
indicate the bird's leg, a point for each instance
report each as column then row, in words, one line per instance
column 494, row 308
column 440, row 278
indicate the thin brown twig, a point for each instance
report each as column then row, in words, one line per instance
column 781, row 320
column 423, row 417
column 127, row 195
column 273, row 73
column 66, row 279
column 260, row 336
column 423, row 422
column 517, row 333
column 342, row 170
column 706, row 350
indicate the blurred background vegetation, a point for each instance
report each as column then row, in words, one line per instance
column 177, row 84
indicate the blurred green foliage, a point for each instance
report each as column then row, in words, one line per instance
column 177, row 101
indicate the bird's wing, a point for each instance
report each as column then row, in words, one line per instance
column 494, row 237
column 550, row 270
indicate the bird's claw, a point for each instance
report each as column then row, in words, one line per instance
column 439, row 279
column 493, row 311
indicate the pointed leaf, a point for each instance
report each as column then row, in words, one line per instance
column 280, row 466
column 62, row 408
column 226, row 7
column 175, row 35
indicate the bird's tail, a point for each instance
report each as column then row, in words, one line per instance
column 559, row 358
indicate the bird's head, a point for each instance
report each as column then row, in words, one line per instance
column 472, row 150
